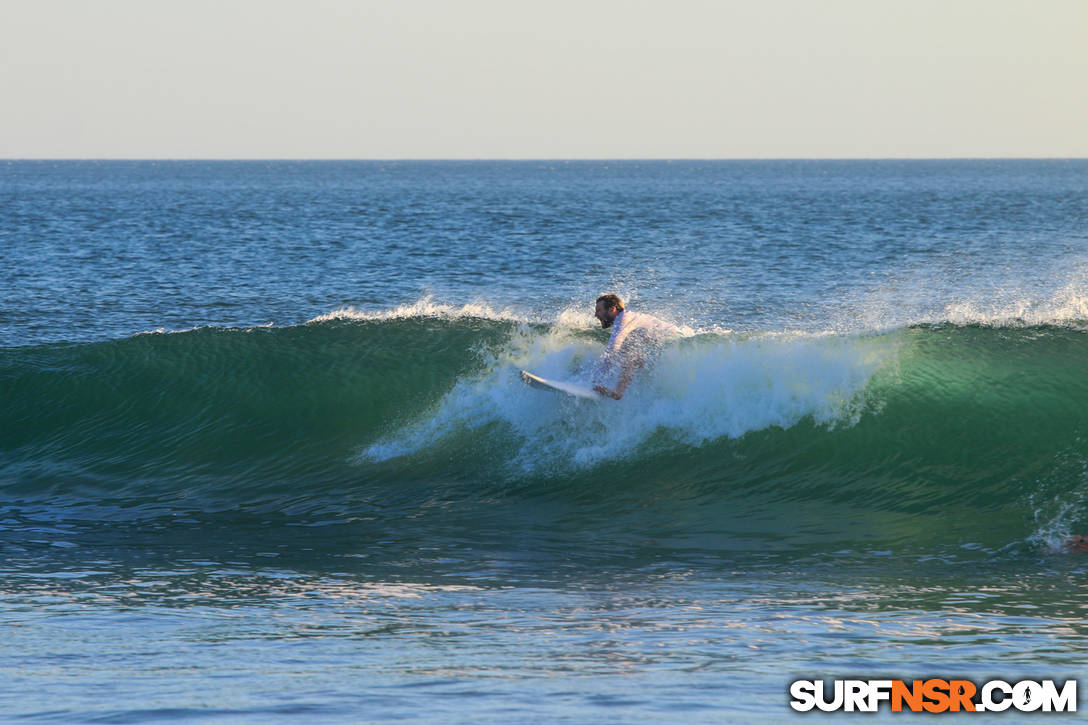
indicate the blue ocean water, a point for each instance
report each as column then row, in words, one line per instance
column 265, row 453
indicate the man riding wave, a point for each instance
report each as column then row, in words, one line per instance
column 635, row 335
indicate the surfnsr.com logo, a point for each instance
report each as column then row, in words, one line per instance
column 934, row 695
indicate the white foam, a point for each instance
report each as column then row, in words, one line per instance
column 424, row 307
column 1068, row 305
column 577, row 317
column 702, row 389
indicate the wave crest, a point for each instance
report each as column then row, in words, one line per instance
column 424, row 307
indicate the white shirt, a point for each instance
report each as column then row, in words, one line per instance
column 655, row 331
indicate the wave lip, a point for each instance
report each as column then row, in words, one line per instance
column 1068, row 307
column 424, row 307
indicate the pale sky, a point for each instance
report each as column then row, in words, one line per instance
column 456, row 79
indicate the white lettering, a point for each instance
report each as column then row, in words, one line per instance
column 1065, row 701
column 988, row 699
column 1027, row 696
column 803, row 693
column 878, row 690
column 855, row 695
column 821, row 699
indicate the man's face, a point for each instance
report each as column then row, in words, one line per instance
column 607, row 315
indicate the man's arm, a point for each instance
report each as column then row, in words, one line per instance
column 631, row 363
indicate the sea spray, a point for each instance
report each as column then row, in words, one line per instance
column 700, row 389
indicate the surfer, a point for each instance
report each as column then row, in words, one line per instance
column 634, row 336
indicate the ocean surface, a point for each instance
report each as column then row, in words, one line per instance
column 265, row 454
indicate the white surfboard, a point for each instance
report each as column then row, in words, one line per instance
column 575, row 389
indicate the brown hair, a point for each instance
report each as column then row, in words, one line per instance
column 611, row 301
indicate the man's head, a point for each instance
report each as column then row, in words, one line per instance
column 609, row 308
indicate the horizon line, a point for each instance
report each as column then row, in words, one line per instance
column 542, row 158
